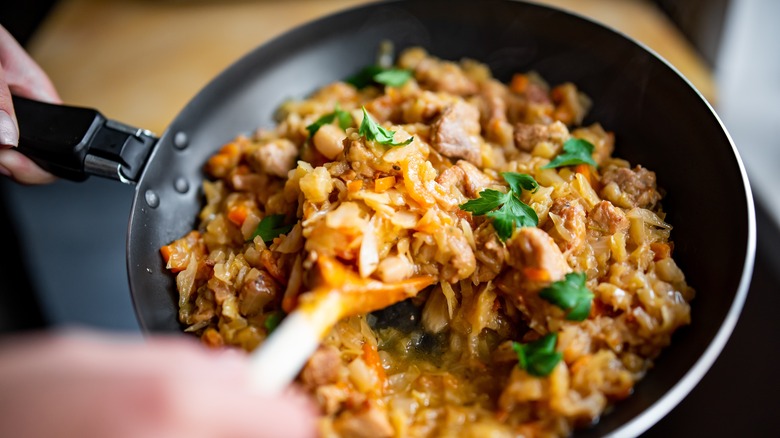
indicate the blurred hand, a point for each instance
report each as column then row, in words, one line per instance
column 88, row 385
column 22, row 76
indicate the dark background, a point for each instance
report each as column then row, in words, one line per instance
column 75, row 235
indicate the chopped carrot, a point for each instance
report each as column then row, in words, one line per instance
column 177, row 253
column 237, row 214
column 584, row 170
column 230, row 149
column 372, row 359
column 166, row 252
column 661, row 250
column 519, row 83
column 382, row 184
column 536, row 274
column 354, row 186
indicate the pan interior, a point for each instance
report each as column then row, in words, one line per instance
column 658, row 119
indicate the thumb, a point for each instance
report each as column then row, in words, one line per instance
column 9, row 129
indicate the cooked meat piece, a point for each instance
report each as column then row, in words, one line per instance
column 370, row 422
column 466, row 178
column 275, row 158
column 461, row 262
column 533, row 248
column 628, row 188
column 445, row 76
column 474, row 180
column 573, row 215
column 607, row 218
column 455, row 133
column 491, row 253
column 259, row 290
column 528, row 135
column 323, row 367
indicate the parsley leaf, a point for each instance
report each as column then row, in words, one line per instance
column 343, row 117
column 538, row 358
column 371, row 130
column 371, row 74
column 394, row 77
column 570, row 294
column 272, row 227
column 506, row 209
column 575, row 151
column 488, row 200
column 272, row 320
column 520, row 181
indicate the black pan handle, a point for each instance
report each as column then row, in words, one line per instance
column 74, row 143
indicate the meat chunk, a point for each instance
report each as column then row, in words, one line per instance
column 466, row 178
column 456, row 132
column 533, row 248
column 491, row 254
column 628, row 188
column 259, row 290
column 456, row 255
column 437, row 74
column 572, row 215
column 607, row 218
column 474, row 180
column 528, row 135
column 323, row 367
column 275, row 158
column 369, row 422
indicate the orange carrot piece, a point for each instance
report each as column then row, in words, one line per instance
column 166, row 252
column 237, row 214
column 660, row 250
column 519, row 83
column 584, row 170
column 383, row 184
column 355, row 186
column 372, row 359
column 536, row 274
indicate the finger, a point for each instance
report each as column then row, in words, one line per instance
column 22, row 169
column 9, row 129
column 22, row 74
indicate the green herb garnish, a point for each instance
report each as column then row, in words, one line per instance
column 374, row 74
column 272, row 320
column 343, row 117
column 538, row 358
column 371, row 130
column 506, row 209
column 272, row 227
column 575, row 151
column 570, row 294
column 394, row 77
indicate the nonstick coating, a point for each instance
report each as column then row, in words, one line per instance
column 659, row 120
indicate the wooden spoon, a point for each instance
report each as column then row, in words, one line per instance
column 343, row 293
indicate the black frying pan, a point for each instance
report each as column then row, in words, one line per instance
column 660, row 121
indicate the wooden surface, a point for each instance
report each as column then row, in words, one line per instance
column 141, row 61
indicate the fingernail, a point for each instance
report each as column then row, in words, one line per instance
column 9, row 135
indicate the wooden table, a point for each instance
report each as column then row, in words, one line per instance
column 141, row 61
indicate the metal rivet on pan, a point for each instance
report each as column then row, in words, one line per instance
column 180, row 140
column 152, row 200
column 181, row 185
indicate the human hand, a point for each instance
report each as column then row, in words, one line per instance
column 91, row 385
column 22, row 76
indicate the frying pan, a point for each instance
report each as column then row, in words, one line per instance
column 659, row 120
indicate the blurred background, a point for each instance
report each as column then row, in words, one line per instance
column 141, row 61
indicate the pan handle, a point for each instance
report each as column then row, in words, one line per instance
column 74, row 142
